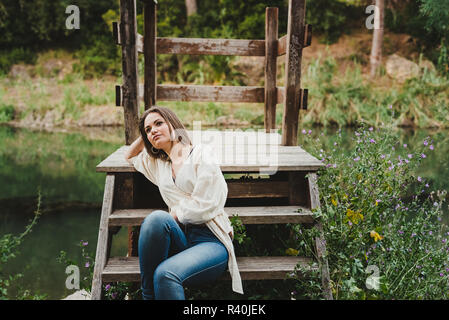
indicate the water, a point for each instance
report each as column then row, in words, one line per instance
column 62, row 166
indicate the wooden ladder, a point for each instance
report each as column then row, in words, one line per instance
column 292, row 183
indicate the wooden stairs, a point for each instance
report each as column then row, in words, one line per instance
column 127, row 202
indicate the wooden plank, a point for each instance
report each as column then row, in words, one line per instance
column 130, row 90
column 308, row 36
column 150, row 84
column 118, row 37
column 320, row 243
column 248, row 215
column 297, row 188
column 251, row 268
column 103, row 237
column 257, row 189
column 198, row 46
column 295, row 43
column 282, row 45
column 271, row 35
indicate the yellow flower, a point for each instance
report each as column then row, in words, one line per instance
column 354, row 216
column 373, row 234
column 292, row 252
column 334, row 202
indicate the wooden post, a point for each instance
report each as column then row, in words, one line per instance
column 320, row 242
column 149, row 49
column 295, row 44
column 271, row 39
column 130, row 94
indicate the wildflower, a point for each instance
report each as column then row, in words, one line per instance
column 405, row 145
column 390, row 107
column 377, row 201
column 444, row 240
column 304, row 131
column 84, row 243
column 354, row 216
column 427, row 185
column 441, row 274
column 373, row 234
column 435, row 204
column 310, row 131
column 418, row 267
column 419, row 179
column 114, row 295
column 426, row 142
column 87, row 264
column 406, row 161
column 356, row 159
column 431, row 147
column 371, row 129
column 401, row 232
column 430, row 232
column 410, row 156
column 335, row 165
column 423, row 155
column 108, row 286
column 372, row 141
column 413, row 235
column 382, row 156
column 334, row 202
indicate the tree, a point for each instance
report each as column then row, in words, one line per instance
column 378, row 35
column 191, row 7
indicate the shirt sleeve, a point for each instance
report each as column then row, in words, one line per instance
column 146, row 165
column 209, row 194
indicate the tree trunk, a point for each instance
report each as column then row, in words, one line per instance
column 191, row 7
column 378, row 35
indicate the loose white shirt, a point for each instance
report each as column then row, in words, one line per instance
column 197, row 196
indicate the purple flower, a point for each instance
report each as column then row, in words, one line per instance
column 334, row 165
column 108, row 286
column 382, row 156
column 392, row 148
column 441, row 274
column 84, row 243
column 372, row 141
column 427, row 185
column 423, row 155
column 401, row 232
column 405, row 145
column 310, row 131
column 419, row 179
column 304, row 131
column 371, row 129
column 410, row 156
column 413, row 235
column 418, row 267
column 390, row 107
column 430, row 232
column 426, row 142
column 87, row 264
column 444, row 240
column 435, row 204
column 114, row 295
column 356, row 159
column 431, row 147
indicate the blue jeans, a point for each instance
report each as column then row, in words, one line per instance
column 170, row 258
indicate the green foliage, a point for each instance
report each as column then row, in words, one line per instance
column 6, row 113
column 376, row 212
column 9, row 245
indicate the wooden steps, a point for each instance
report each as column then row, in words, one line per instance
column 251, row 268
column 248, row 215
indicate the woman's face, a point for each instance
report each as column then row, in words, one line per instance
column 157, row 130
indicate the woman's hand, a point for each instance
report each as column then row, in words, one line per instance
column 134, row 149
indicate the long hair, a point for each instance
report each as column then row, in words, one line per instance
column 180, row 133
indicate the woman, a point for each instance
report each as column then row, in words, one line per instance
column 192, row 243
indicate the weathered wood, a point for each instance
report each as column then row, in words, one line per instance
column 297, row 188
column 271, row 35
column 248, row 215
column 251, row 268
column 295, row 44
column 282, row 45
column 130, row 88
column 197, row 46
column 308, row 36
column 117, row 37
column 304, row 98
column 103, row 237
column 150, row 73
column 257, row 189
column 320, row 242
column 233, row 159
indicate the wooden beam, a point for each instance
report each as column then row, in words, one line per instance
column 130, row 87
column 308, row 36
column 149, row 45
column 271, row 35
column 103, row 237
column 295, row 44
column 282, row 45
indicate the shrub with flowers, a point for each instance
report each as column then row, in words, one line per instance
column 383, row 227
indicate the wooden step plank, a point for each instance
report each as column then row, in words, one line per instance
column 251, row 268
column 248, row 215
column 236, row 152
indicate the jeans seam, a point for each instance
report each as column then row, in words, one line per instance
column 204, row 270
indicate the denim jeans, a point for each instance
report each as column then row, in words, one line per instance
column 170, row 258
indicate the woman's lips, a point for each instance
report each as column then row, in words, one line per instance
column 156, row 137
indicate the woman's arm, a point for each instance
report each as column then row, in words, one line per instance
column 134, row 149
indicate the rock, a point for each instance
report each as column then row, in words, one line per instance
column 427, row 64
column 401, row 69
column 79, row 295
column 19, row 71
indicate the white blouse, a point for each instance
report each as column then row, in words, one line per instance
column 197, row 196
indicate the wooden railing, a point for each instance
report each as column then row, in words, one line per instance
column 291, row 95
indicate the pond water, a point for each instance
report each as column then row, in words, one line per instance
column 61, row 167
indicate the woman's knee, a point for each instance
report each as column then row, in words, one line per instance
column 156, row 219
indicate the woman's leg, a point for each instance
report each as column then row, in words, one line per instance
column 202, row 263
column 160, row 236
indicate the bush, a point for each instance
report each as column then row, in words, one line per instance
column 383, row 227
column 6, row 113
